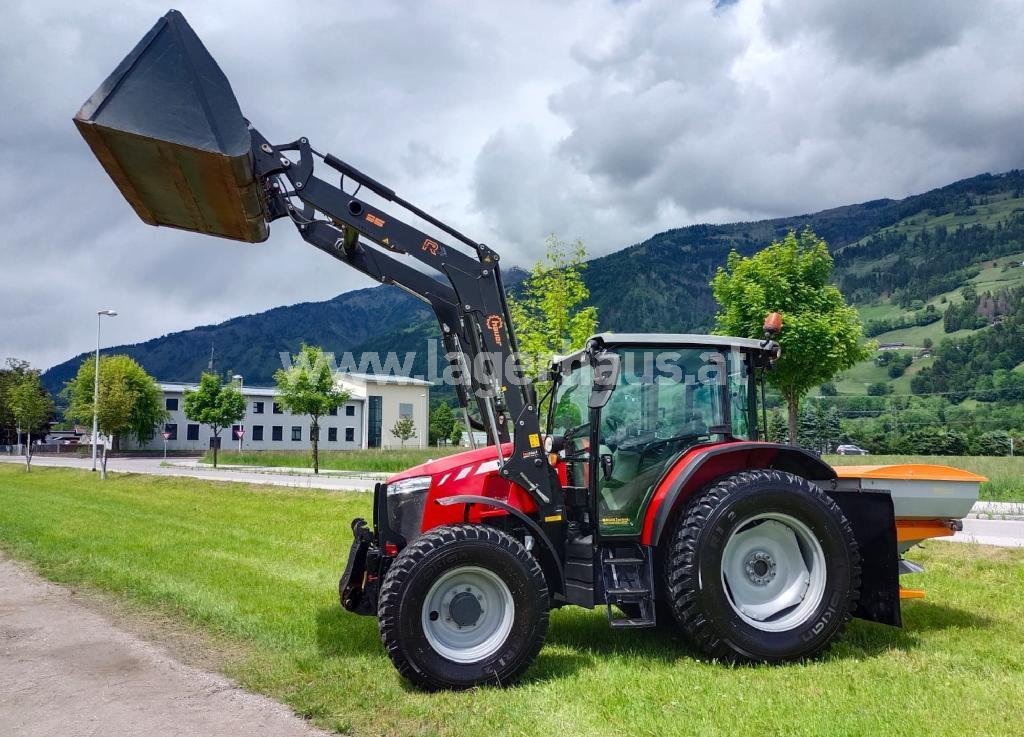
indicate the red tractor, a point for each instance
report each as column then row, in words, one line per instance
column 638, row 482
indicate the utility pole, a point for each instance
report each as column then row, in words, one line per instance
column 241, row 427
column 96, row 384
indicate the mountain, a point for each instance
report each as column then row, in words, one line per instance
column 892, row 257
column 250, row 344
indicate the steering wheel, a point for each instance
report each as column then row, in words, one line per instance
column 662, row 444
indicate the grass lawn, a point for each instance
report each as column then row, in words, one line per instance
column 1005, row 475
column 389, row 460
column 254, row 570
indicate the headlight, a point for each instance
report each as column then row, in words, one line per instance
column 406, row 499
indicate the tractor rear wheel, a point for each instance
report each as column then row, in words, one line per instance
column 763, row 567
column 463, row 606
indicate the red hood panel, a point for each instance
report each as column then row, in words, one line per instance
column 446, row 464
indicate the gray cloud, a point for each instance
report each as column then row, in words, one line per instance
column 608, row 121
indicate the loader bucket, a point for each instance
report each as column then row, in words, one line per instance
column 168, row 130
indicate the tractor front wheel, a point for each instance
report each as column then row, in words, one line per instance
column 763, row 567
column 463, row 606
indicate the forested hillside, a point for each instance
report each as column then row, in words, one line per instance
column 897, row 259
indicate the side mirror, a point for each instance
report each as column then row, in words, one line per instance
column 606, row 378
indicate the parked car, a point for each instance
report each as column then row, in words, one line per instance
column 851, row 450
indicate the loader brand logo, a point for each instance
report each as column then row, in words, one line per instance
column 373, row 219
column 430, row 247
column 494, row 323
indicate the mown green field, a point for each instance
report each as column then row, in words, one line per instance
column 253, row 570
column 1005, row 475
column 389, row 460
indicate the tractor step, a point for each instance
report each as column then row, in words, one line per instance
column 627, row 591
column 627, row 575
column 622, row 623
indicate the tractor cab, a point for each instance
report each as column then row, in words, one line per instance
column 669, row 394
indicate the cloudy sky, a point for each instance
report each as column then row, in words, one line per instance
column 608, row 121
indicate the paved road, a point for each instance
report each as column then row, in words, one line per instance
column 67, row 671
column 991, row 523
column 1004, row 533
column 154, row 466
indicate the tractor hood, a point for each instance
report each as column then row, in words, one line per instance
column 453, row 463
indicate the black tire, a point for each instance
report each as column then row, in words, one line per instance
column 698, row 596
column 409, row 581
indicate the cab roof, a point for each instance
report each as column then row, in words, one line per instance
column 680, row 339
column 667, row 339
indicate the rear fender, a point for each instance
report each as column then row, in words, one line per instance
column 701, row 465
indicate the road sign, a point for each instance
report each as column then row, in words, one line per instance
column 240, row 433
column 167, row 435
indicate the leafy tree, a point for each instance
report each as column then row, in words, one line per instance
column 11, row 375
column 404, row 429
column 216, row 404
column 131, row 403
column 442, row 422
column 549, row 317
column 31, row 407
column 308, row 388
column 879, row 389
column 455, row 437
column 821, row 334
column 828, row 389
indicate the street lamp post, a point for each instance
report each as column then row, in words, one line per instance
column 96, row 384
column 241, row 427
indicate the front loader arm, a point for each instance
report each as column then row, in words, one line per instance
column 470, row 304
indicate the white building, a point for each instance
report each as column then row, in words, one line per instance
column 365, row 421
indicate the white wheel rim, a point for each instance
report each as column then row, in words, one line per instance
column 773, row 572
column 464, row 629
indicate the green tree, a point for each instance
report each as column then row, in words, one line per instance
column 442, row 422
column 10, row 375
column 309, row 388
column 455, row 437
column 131, row 403
column 821, row 334
column 216, row 404
column 549, row 317
column 404, row 429
column 31, row 407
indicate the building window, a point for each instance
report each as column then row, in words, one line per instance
column 373, row 420
column 296, row 433
column 350, row 410
column 172, row 430
column 277, row 432
column 171, row 404
column 277, row 409
column 404, row 409
column 257, row 408
column 350, row 434
column 192, row 432
column 332, row 434
column 257, row 432
column 333, row 412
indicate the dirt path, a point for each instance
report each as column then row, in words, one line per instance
column 67, row 670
